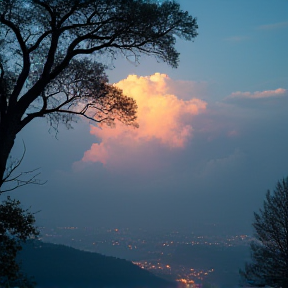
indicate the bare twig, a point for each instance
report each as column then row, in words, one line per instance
column 20, row 179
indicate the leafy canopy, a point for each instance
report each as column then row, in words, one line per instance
column 43, row 44
column 49, row 51
column 269, row 252
column 48, row 68
column 16, row 227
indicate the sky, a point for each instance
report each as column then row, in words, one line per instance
column 212, row 134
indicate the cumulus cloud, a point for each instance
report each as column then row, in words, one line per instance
column 165, row 122
column 258, row 94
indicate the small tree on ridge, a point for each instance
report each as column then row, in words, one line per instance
column 16, row 227
column 269, row 253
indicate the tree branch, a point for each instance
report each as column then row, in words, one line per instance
column 26, row 61
column 18, row 179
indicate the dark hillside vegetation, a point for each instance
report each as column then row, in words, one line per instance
column 58, row 265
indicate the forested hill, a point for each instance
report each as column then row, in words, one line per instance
column 61, row 266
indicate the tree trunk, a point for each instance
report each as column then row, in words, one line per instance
column 7, row 137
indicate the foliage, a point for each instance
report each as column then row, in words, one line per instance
column 16, row 226
column 44, row 69
column 45, row 72
column 270, row 251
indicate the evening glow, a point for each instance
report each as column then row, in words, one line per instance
column 212, row 139
column 259, row 94
column 163, row 119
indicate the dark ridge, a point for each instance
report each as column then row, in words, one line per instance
column 60, row 266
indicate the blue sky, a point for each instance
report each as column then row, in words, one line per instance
column 229, row 147
column 241, row 45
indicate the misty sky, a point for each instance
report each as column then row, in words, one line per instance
column 213, row 134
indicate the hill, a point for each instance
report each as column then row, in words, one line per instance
column 61, row 266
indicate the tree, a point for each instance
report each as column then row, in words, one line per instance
column 44, row 66
column 48, row 68
column 16, row 227
column 269, row 252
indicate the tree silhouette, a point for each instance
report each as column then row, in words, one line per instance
column 49, row 68
column 269, row 252
column 45, row 70
column 16, row 227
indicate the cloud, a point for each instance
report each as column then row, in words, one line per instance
column 258, row 94
column 273, row 26
column 165, row 123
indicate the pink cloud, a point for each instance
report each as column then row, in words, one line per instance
column 164, row 121
column 259, row 94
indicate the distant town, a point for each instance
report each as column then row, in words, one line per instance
column 157, row 252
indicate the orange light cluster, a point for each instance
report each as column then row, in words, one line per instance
column 185, row 281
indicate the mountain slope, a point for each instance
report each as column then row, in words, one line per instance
column 61, row 266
